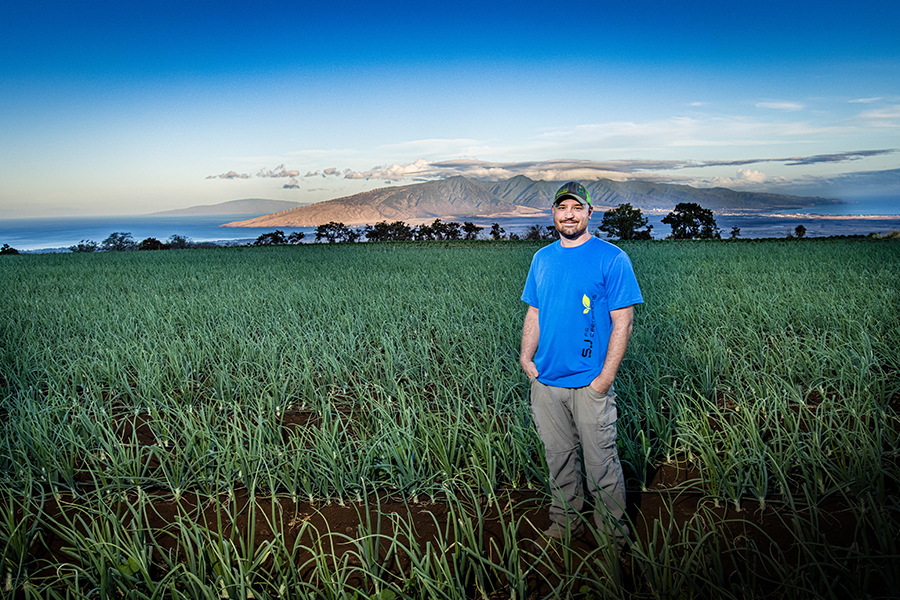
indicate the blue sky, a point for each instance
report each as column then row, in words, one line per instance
column 130, row 108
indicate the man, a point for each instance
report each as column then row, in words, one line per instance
column 581, row 293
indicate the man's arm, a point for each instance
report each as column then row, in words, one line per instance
column 622, row 322
column 530, row 333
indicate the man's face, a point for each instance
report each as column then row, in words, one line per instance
column 570, row 217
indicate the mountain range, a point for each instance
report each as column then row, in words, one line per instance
column 459, row 198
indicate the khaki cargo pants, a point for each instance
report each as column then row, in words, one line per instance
column 567, row 418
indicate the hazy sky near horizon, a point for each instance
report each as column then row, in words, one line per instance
column 132, row 108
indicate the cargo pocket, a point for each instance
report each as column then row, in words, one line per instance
column 604, row 411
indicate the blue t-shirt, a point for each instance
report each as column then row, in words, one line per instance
column 574, row 289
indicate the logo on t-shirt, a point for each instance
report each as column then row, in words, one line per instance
column 588, row 347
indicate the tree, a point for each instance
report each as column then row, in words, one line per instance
column 352, row 235
column 623, row 223
column 151, row 244
column 471, row 230
column 85, row 246
column 438, row 231
column 424, row 232
column 118, row 241
column 7, row 249
column 446, row 231
column 533, row 233
column 178, row 242
column 800, row 231
column 497, row 231
column 275, row 238
column 690, row 221
column 295, row 237
column 334, row 232
column 398, row 231
column 735, row 232
column 452, row 231
column 536, row 232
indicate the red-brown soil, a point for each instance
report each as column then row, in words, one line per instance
column 654, row 513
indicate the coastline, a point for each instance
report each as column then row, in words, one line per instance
column 817, row 216
column 36, row 236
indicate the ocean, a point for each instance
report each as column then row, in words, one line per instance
column 58, row 233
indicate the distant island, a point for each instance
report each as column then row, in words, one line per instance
column 246, row 206
column 460, row 198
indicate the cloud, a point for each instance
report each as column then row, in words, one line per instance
column 329, row 172
column 747, row 175
column 882, row 117
column 422, row 159
column 624, row 169
column 230, row 175
column 745, row 179
column 865, row 100
column 278, row 171
column 394, row 172
column 553, row 170
column 586, row 170
column 798, row 160
column 751, row 176
column 792, row 106
column 840, row 157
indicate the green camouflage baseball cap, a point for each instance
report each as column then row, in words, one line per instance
column 575, row 190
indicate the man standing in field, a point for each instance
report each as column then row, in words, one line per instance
column 581, row 293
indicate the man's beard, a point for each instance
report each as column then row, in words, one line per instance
column 576, row 233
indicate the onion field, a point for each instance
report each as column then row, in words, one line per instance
column 350, row 421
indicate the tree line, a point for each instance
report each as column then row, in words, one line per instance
column 120, row 241
column 332, row 232
column 688, row 221
column 437, row 230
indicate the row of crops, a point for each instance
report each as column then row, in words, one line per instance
column 327, row 375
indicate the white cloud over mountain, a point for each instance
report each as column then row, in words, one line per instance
column 230, row 175
column 687, row 172
column 395, row 172
column 279, row 171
